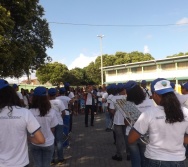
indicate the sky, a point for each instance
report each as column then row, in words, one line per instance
column 158, row 27
column 147, row 26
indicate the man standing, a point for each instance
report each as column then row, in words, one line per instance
column 145, row 89
column 90, row 104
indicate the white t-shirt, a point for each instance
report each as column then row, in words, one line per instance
column 46, row 122
column 71, row 95
column 25, row 99
column 119, row 116
column 105, row 96
column 166, row 140
column 13, row 136
column 109, row 98
column 89, row 99
column 20, row 95
column 65, row 100
column 99, row 95
column 183, row 99
column 59, row 107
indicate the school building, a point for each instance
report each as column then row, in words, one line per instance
column 174, row 69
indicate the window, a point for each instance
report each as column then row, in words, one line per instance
column 149, row 68
column 111, row 72
column 136, row 70
column 182, row 65
column 121, row 71
column 170, row 66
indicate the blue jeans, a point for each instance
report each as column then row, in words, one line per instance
column 137, row 150
column 157, row 163
column 42, row 156
column 66, row 121
column 58, row 133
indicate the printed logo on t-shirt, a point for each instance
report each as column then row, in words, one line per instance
column 10, row 117
column 160, row 117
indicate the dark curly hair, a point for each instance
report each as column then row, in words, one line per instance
column 9, row 98
column 42, row 103
column 172, row 108
column 136, row 95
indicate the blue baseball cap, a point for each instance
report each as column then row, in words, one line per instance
column 62, row 90
column 143, row 82
column 3, row 83
column 66, row 84
column 185, row 85
column 39, row 91
column 161, row 86
column 120, row 86
column 130, row 84
column 172, row 84
column 52, row 91
column 15, row 85
column 113, row 86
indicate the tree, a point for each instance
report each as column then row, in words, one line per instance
column 179, row 54
column 53, row 73
column 30, row 36
column 77, row 76
column 93, row 71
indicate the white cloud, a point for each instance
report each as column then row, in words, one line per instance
column 146, row 49
column 182, row 21
column 81, row 61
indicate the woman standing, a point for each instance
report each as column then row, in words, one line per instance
column 137, row 97
column 167, row 125
column 15, row 121
column 46, row 116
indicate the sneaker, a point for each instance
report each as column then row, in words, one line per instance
column 52, row 163
column 61, row 162
column 117, row 158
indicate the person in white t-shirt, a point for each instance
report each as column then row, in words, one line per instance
column 15, row 122
column 147, row 92
column 105, row 110
column 90, row 95
column 137, row 97
column 118, row 121
column 70, row 94
column 167, row 125
column 46, row 116
column 66, row 118
column 59, row 107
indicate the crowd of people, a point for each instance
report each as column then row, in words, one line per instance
column 151, row 124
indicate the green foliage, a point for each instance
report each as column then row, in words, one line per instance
column 179, row 54
column 24, row 37
column 52, row 72
column 93, row 71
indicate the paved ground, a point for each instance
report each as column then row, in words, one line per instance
column 92, row 146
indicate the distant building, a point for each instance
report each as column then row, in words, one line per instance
column 174, row 69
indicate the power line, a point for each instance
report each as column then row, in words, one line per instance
column 119, row 25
